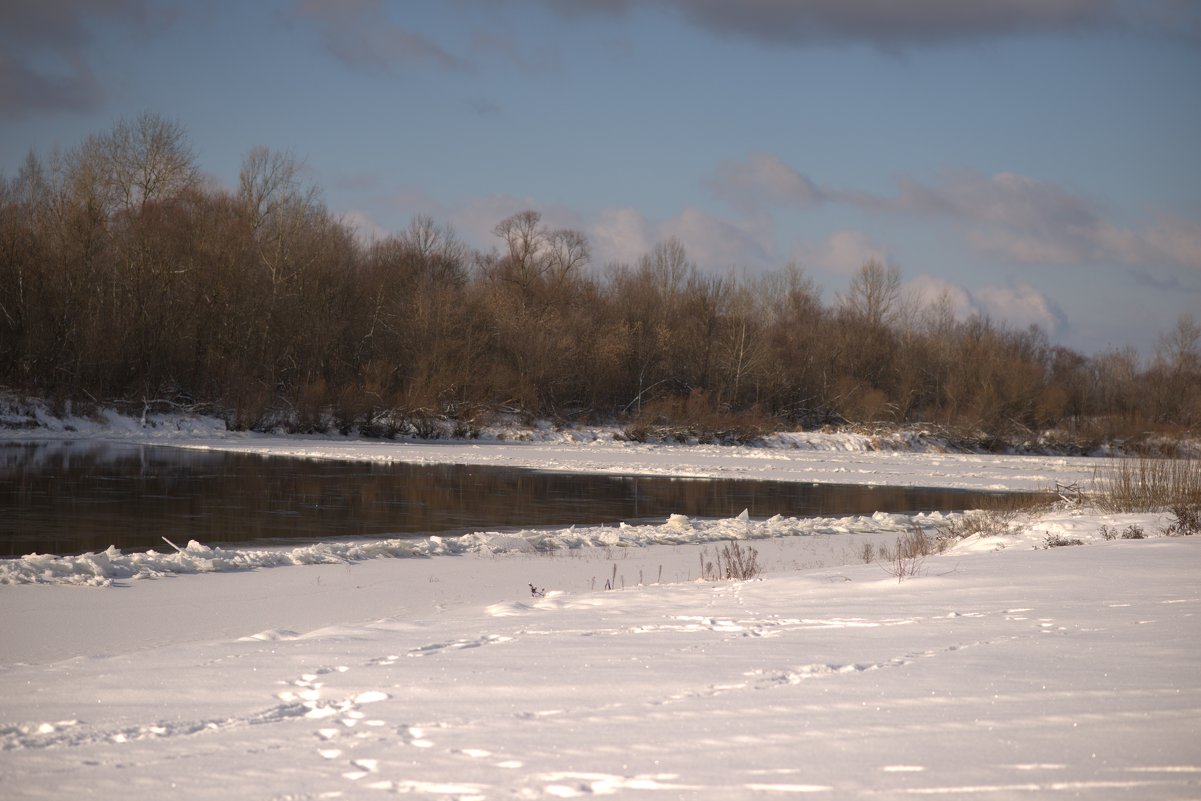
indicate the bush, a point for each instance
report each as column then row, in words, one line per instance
column 906, row 558
column 1187, row 522
column 733, row 562
column 1060, row 541
column 867, row 553
column 1132, row 532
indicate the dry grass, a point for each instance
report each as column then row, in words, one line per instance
column 1148, row 484
column 986, row 523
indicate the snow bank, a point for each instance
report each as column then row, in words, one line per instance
column 848, row 441
column 102, row 569
column 25, row 419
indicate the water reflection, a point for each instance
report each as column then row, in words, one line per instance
column 72, row 497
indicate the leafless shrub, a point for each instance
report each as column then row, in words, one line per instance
column 867, row 553
column 915, row 542
column 906, row 558
column 731, row 563
column 903, row 568
column 741, row 564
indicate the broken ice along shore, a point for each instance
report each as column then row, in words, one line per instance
column 101, row 569
column 106, row 567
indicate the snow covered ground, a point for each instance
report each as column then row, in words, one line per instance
column 1001, row 670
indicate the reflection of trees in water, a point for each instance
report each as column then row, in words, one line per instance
column 63, row 498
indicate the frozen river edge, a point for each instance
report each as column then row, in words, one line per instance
column 1002, row 669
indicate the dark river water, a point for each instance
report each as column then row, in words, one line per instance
column 67, row 498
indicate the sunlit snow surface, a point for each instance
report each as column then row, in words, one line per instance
column 1002, row 670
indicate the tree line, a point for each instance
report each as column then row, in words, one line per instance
column 125, row 277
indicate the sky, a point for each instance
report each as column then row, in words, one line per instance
column 1036, row 162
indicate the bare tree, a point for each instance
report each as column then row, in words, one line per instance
column 669, row 264
column 874, row 293
column 568, row 251
column 269, row 184
column 1180, row 348
column 525, row 246
column 144, row 161
column 1177, row 392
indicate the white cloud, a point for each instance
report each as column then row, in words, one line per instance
column 927, row 290
column 717, row 244
column 765, row 177
column 1173, row 241
column 1020, row 306
column 476, row 219
column 367, row 229
column 1012, row 217
column 714, row 244
column 1018, row 248
column 620, row 235
column 842, row 253
column 1028, row 221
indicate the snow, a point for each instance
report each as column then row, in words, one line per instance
column 906, row 460
column 1002, row 669
column 102, row 569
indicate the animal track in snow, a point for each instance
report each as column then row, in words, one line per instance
column 578, row 784
column 455, row 645
column 763, row 679
column 764, row 627
column 301, row 699
column 78, row 733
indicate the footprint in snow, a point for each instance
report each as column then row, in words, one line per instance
column 455, row 645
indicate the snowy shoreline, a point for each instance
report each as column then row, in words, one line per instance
column 1000, row 668
column 906, row 459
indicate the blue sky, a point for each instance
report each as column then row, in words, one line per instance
column 1038, row 162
